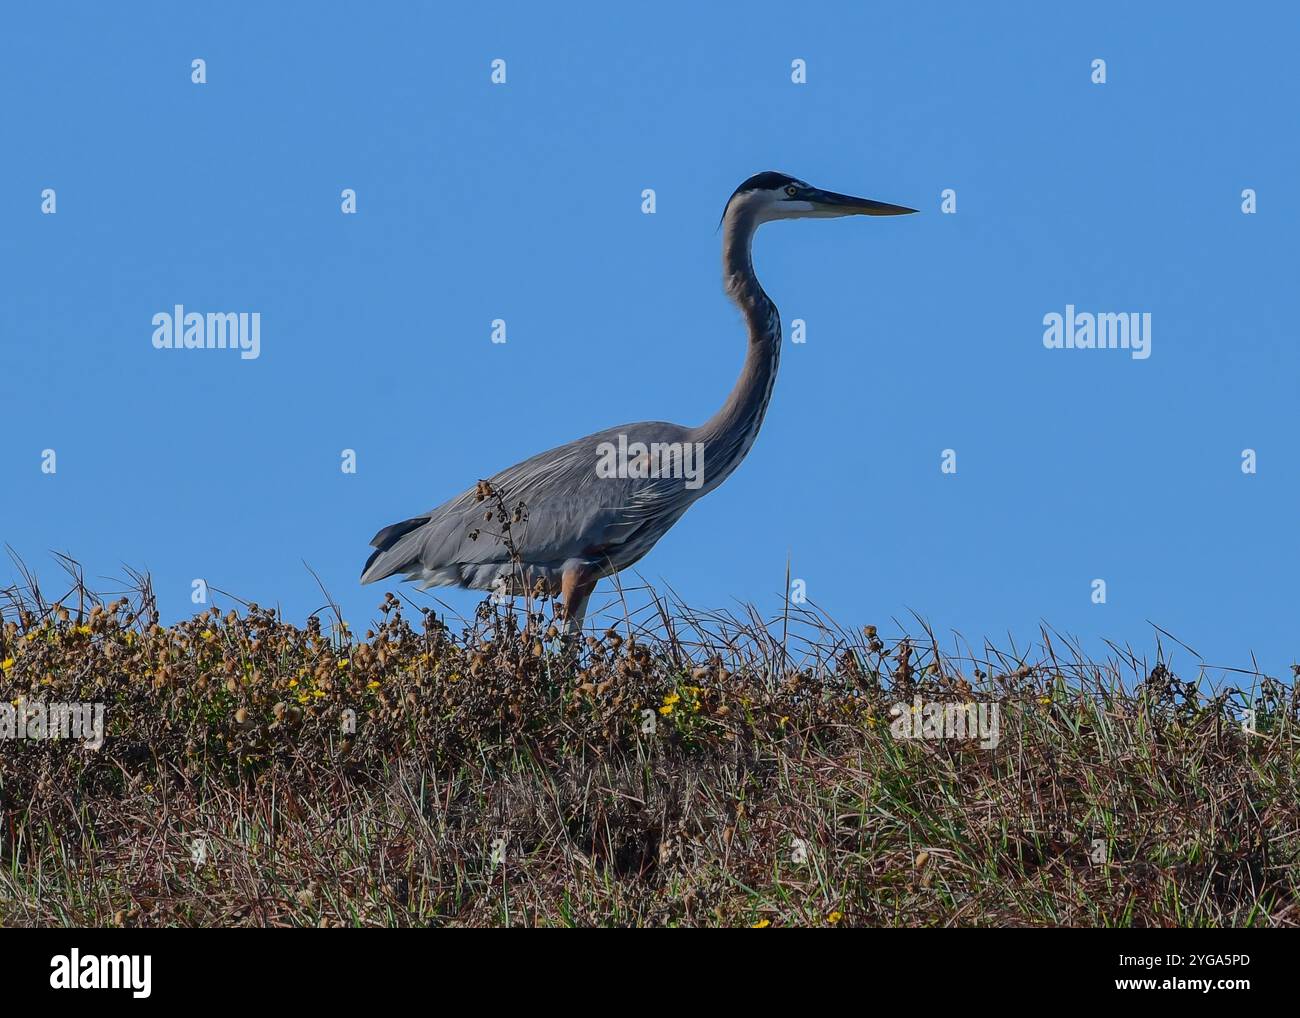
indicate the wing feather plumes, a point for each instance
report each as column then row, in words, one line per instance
column 571, row 514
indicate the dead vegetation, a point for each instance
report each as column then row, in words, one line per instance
column 678, row 769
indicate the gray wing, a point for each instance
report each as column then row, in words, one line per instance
column 574, row 512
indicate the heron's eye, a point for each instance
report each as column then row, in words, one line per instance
column 791, row 190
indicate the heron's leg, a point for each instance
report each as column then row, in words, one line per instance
column 576, row 586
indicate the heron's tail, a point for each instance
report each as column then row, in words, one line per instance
column 392, row 554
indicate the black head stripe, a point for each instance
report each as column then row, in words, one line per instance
column 768, row 180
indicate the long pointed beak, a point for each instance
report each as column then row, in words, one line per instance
column 847, row 205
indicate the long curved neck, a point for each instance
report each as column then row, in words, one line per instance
column 730, row 432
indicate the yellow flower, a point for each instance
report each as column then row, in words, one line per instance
column 372, row 684
column 671, row 699
column 834, row 917
column 1044, row 699
column 303, row 697
column 130, row 638
column 293, row 683
column 83, row 630
column 7, row 663
column 318, row 693
column 344, row 663
column 762, row 924
column 666, row 709
column 207, row 635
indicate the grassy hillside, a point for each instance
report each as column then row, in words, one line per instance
column 683, row 771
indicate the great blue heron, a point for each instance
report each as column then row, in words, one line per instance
column 596, row 506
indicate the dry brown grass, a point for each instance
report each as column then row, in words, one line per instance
column 497, row 777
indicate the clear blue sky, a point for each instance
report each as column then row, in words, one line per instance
column 523, row 202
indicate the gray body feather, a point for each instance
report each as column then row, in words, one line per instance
column 572, row 518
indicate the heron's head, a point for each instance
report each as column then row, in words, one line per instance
column 771, row 195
